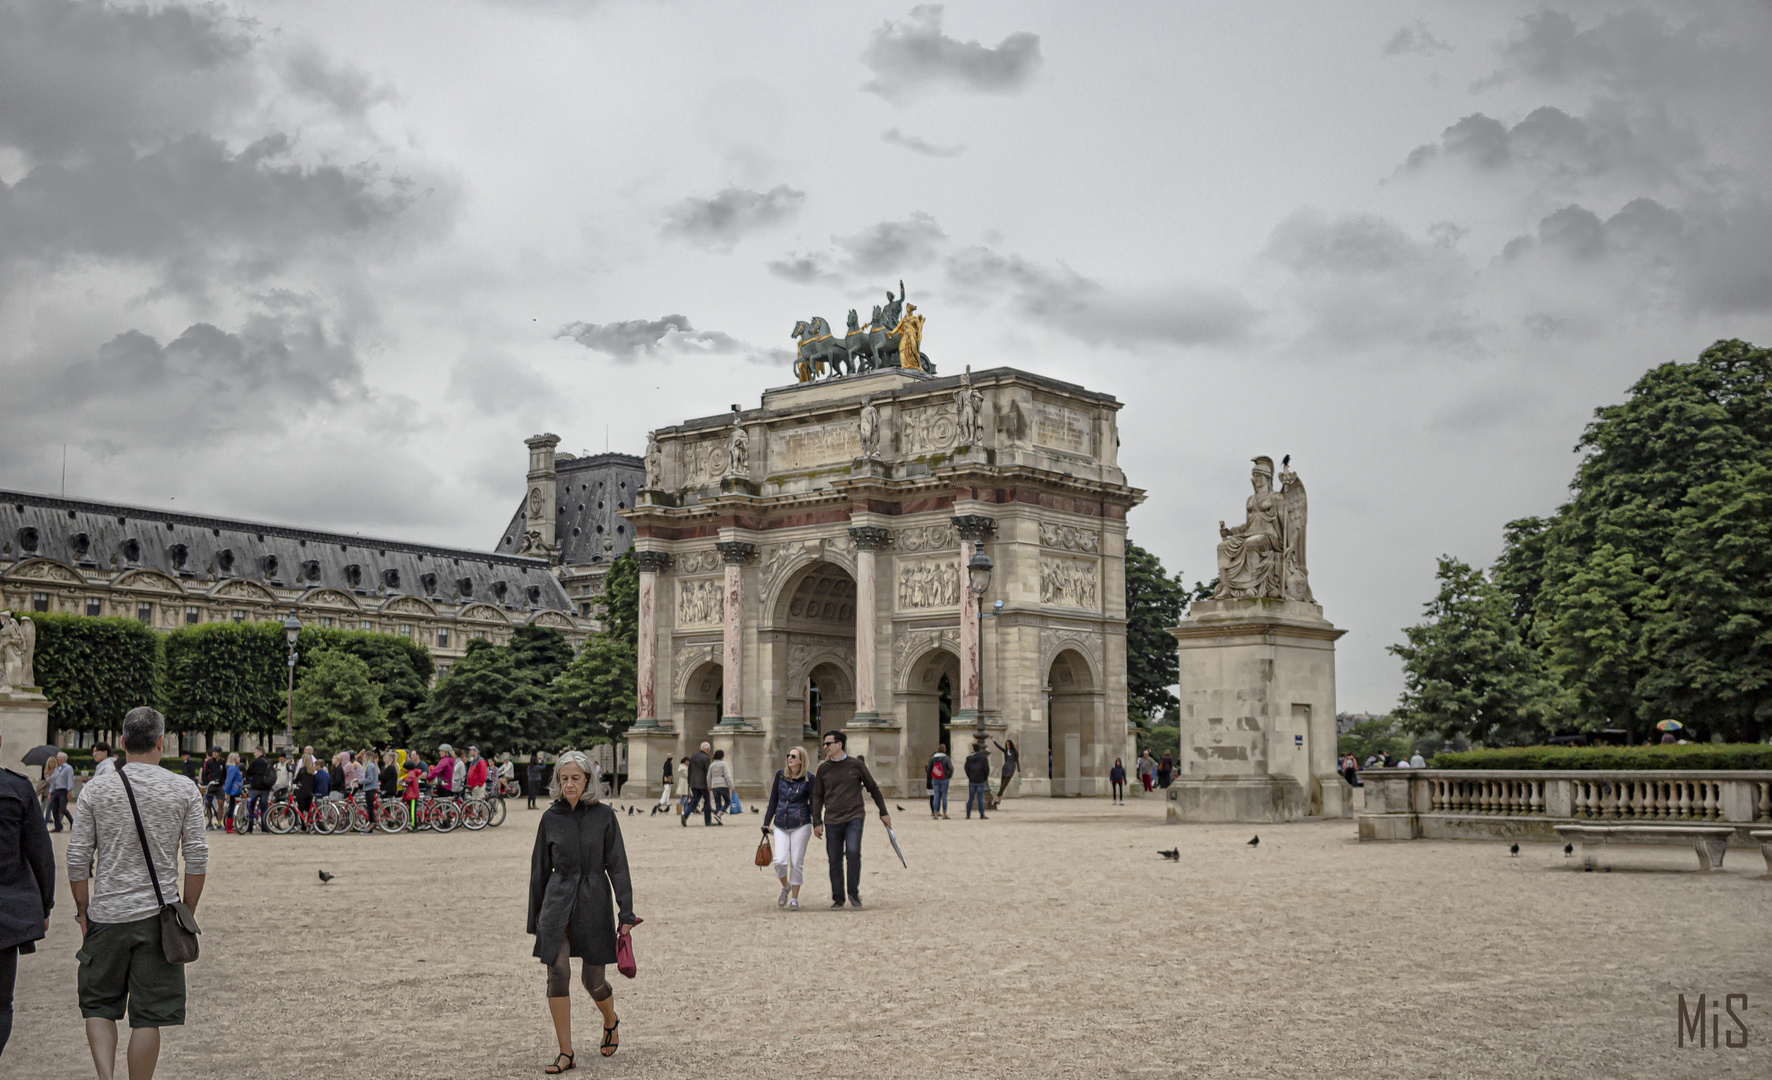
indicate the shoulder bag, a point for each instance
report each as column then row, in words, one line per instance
column 178, row 927
column 765, row 850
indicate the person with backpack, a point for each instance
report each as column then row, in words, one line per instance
column 941, row 774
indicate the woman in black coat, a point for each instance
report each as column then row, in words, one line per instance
column 578, row 859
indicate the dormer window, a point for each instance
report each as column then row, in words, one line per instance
column 132, row 551
column 429, row 581
column 354, row 575
column 391, row 578
column 310, row 570
column 225, row 560
column 534, row 592
column 27, row 538
column 465, row 586
column 268, row 565
column 179, row 555
column 499, row 588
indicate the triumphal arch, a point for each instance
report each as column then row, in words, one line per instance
column 803, row 568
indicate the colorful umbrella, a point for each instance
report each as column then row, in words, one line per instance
column 1669, row 725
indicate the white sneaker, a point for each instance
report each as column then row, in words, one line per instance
column 782, row 900
column 794, row 903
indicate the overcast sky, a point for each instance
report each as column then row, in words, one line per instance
column 329, row 262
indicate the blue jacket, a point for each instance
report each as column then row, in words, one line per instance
column 234, row 784
column 790, row 802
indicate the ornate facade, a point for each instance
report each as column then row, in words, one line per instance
column 803, row 568
column 174, row 569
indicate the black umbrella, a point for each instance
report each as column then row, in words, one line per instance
column 40, row 755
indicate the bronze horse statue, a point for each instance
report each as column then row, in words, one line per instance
column 818, row 347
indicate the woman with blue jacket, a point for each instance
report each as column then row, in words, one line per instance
column 790, row 816
column 233, row 786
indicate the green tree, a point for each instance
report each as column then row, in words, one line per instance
column 1155, row 601
column 93, row 670
column 226, row 677
column 1466, row 672
column 595, row 695
column 337, row 706
column 487, row 699
column 399, row 668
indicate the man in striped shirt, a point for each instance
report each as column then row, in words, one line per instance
column 121, row 961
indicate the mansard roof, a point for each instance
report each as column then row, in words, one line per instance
column 109, row 540
column 589, row 495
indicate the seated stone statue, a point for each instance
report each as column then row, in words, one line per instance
column 1264, row 556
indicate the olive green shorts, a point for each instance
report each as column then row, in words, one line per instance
column 121, row 961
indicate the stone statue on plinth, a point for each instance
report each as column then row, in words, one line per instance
column 968, row 407
column 1264, row 556
column 738, row 450
column 654, row 463
column 868, row 429
column 18, row 650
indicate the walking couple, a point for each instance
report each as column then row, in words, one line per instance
column 828, row 805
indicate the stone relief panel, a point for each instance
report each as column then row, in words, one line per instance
column 701, row 602
column 331, row 597
column 704, row 462
column 698, row 562
column 1061, row 428
column 807, row 447
column 1070, row 538
column 912, row 644
column 928, row 583
column 928, row 430
column 926, row 538
column 779, row 558
column 1069, row 583
column 48, row 571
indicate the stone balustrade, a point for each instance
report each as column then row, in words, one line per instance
column 1410, row 804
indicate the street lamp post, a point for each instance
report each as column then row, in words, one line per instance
column 978, row 579
column 291, row 631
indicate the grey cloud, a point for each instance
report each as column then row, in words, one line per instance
column 494, row 382
column 1361, row 281
column 1647, row 146
column 919, row 145
column 1083, row 308
column 1414, row 39
column 189, row 206
column 888, row 247
column 720, row 222
column 628, row 341
column 1710, row 256
column 912, row 56
column 201, row 388
column 309, row 71
column 83, row 73
column 1633, row 48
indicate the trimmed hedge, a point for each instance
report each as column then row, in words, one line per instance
column 1660, row 756
column 93, row 670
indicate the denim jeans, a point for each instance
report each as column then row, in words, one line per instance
column 843, row 841
column 255, row 809
column 979, row 793
column 938, row 800
column 700, row 798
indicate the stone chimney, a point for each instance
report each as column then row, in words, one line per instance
column 538, row 522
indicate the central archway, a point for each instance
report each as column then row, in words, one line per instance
column 812, row 624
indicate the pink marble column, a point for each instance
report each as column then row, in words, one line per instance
column 734, row 552
column 868, row 540
column 646, row 692
column 972, row 529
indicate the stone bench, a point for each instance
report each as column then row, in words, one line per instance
column 1764, row 836
column 1710, row 841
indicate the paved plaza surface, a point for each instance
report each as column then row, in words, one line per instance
column 1050, row 941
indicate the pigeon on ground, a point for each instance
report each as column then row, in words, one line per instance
column 1514, row 850
column 1568, row 851
column 754, row 810
column 1255, row 841
column 1173, row 854
column 900, row 807
column 325, row 877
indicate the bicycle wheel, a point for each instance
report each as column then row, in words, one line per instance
column 281, row 818
column 390, row 816
column 324, row 818
column 496, row 807
column 444, row 816
column 475, row 814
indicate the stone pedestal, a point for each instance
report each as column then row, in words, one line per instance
column 877, row 744
column 24, row 726
column 647, row 750
column 747, row 751
column 1257, row 713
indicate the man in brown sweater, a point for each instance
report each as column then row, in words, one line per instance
column 837, row 804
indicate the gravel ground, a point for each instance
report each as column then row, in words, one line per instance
column 1051, row 941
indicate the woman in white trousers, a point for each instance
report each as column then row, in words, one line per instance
column 789, row 824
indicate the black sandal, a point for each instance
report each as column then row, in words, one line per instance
column 556, row 1067
column 609, row 1048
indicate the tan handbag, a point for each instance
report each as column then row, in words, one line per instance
column 765, row 851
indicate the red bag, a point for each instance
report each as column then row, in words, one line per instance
column 938, row 772
column 624, row 953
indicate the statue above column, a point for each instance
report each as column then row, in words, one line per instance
column 18, row 650
column 1264, row 556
